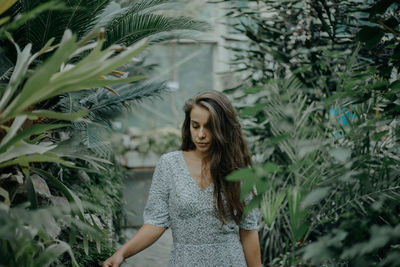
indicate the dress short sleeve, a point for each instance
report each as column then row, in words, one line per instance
column 250, row 222
column 156, row 209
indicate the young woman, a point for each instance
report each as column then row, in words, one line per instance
column 190, row 195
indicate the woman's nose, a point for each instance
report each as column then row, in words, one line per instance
column 202, row 134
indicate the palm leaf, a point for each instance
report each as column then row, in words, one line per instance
column 133, row 27
column 76, row 15
column 102, row 107
column 73, row 148
column 146, row 6
column 114, row 10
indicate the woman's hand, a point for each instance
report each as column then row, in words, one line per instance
column 144, row 237
column 114, row 261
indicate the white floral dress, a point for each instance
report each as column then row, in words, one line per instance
column 199, row 237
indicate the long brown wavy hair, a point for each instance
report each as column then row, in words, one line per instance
column 228, row 150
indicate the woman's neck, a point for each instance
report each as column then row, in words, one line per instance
column 198, row 154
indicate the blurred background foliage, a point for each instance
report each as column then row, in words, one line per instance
column 67, row 69
column 320, row 106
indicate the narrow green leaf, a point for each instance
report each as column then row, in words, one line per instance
column 271, row 205
column 30, row 188
column 72, row 236
column 28, row 132
column 240, row 174
column 380, row 85
column 5, row 195
column 45, row 48
column 95, row 83
column 395, row 85
column 15, row 126
column 98, row 245
column 17, row 76
column 254, row 203
column 4, row 20
column 45, row 157
column 253, row 110
column 85, row 243
column 314, row 197
column 6, row 4
column 297, row 215
column 23, row 150
column 36, row 88
column 247, row 186
column 72, row 198
column 279, row 56
column 253, row 90
column 51, row 254
column 262, row 186
column 378, row 136
column 59, row 115
column 270, row 167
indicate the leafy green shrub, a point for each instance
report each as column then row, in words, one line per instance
column 67, row 82
column 30, row 237
column 105, row 199
column 321, row 113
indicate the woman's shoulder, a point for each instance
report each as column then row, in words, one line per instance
column 171, row 156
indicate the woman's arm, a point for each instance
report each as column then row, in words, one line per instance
column 251, row 247
column 147, row 235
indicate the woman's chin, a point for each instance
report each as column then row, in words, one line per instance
column 203, row 149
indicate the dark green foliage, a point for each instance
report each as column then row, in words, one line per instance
column 123, row 25
column 105, row 195
column 76, row 15
column 28, row 236
column 320, row 106
column 29, row 116
column 103, row 106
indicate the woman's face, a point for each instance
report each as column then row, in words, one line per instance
column 199, row 128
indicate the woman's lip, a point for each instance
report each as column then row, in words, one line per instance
column 202, row 144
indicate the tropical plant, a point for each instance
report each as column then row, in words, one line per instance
column 28, row 139
column 325, row 143
column 123, row 25
column 19, row 148
column 31, row 237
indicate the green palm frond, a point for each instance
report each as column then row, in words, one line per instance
column 94, row 136
column 104, row 106
column 124, row 25
column 110, row 105
column 72, row 148
column 146, row 6
column 77, row 15
column 129, row 29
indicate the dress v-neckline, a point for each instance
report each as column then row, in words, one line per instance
column 190, row 176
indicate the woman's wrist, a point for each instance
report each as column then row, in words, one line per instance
column 121, row 252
